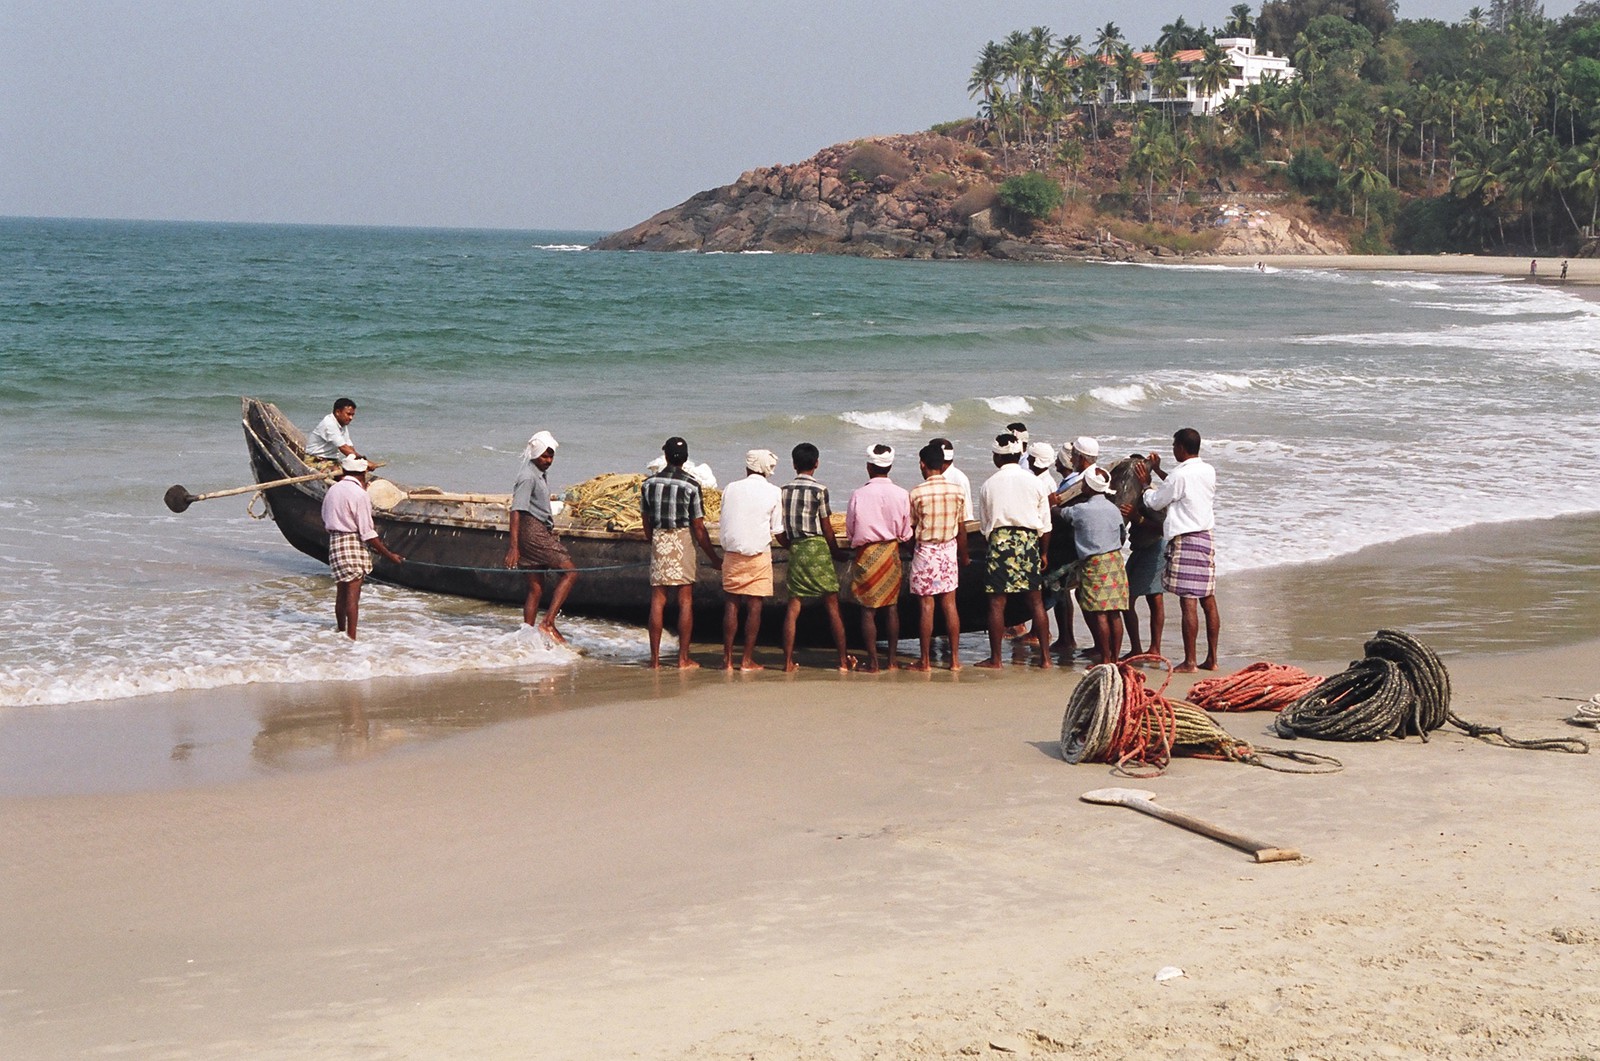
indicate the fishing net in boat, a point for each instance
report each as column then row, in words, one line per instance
column 612, row 501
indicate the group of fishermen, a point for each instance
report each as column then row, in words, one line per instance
column 1047, row 516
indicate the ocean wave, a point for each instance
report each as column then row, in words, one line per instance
column 1009, row 405
column 559, row 247
column 913, row 419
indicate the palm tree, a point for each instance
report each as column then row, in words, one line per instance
column 1239, row 23
column 1091, row 76
column 986, row 73
column 1295, row 104
column 1167, row 83
column 1254, row 103
column 1184, row 162
column 1107, row 40
column 1214, row 73
column 1175, row 36
column 1129, row 73
column 1363, row 179
column 1586, row 175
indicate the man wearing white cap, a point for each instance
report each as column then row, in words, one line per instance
column 347, row 517
column 1016, row 522
column 1097, row 532
column 1072, row 462
column 877, row 520
column 955, row 475
column 535, row 546
column 752, row 515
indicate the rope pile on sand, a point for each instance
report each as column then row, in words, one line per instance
column 612, row 500
column 1113, row 717
column 1588, row 713
column 1258, row 687
column 1399, row 688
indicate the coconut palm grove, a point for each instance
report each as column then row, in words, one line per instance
column 1411, row 135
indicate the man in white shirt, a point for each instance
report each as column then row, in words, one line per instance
column 1016, row 522
column 955, row 475
column 347, row 517
column 752, row 515
column 1188, row 496
column 330, row 439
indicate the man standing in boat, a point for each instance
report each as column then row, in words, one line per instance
column 347, row 517
column 535, row 545
column 1188, row 496
column 674, row 517
column 330, row 440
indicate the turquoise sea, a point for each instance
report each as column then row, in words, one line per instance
column 1341, row 410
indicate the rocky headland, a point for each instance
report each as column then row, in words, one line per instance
column 936, row 196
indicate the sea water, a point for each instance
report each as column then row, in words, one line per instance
column 1340, row 410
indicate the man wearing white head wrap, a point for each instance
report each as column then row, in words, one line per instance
column 955, row 475
column 535, row 547
column 877, row 520
column 1016, row 521
column 1074, row 461
column 752, row 515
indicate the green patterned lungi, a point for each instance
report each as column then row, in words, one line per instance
column 811, row 570
column 1013, row 563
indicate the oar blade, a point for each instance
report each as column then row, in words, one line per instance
column 1120, row 797
column 178, row 499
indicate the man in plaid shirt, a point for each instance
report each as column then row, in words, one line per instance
column 808, row 535
column 674, row 518
column 938, row 527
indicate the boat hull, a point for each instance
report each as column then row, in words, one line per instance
column 464, row 557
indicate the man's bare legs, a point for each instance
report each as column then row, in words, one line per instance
column 347, row 606
column 1192, row 606
column 730, row 629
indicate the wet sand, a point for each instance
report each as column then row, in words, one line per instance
column 706, row 866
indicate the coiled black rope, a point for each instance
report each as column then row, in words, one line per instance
column 1400, row 688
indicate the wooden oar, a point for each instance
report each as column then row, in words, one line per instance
column 1140, row 800
column 178, row 498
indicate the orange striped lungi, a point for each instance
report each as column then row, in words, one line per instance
column 877, row 579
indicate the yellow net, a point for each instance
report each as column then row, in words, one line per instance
column 612, row 501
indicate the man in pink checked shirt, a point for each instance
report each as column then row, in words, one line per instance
column 877, row 520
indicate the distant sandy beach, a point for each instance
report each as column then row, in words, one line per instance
column 1580, row 271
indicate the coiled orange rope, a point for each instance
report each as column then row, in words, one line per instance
column 1258, row 687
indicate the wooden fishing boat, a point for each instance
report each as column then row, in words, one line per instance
column 456, row 543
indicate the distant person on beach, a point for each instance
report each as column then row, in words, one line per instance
column 877, row 520
column 752, row 515
column 1563, row 271
column 958, row 477
column 347, row 517
column 1145, row 566
column 1188, row 496
column 1533, row 267
column 1097, row 533
column 535, row 546
column 937, row 525
column 330, row 439
column 675, row 519
column 808, row 535
column 1016, row 522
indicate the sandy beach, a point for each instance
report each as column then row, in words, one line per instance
column 1580, row 271
column 822, row 867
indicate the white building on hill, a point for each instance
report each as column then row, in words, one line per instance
column 1247, row 67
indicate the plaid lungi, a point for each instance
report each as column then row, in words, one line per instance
column 811, row 570
column 1103, row 584
column 1191, row 566
column 348, row 557
column 672, row 559
column 1013, row 562
column 877, row 579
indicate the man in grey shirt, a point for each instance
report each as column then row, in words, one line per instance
column 1097, row 533
column 535, row 547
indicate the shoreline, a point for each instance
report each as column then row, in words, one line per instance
column 1581, row 272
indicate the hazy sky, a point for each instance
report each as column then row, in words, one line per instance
column 560, row 115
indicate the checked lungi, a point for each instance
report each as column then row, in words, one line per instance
column 1191, row 566
column 348, row 557
column 878, row 573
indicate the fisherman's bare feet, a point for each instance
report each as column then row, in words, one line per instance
column 654, row 664
column 1044, row 662
column 847, row 664
column 687, row 664
column 988, row 663
column 955, row 665
column 1209, row 664
column 549, row 630
column 790, row 666
column 1064, row 646
column 752, row 666
column 1185, row 668
column 727, row 664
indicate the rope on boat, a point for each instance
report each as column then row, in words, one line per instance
column 1113, row 717
column 1259, row 687
column 1399, row 688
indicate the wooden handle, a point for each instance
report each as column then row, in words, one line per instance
column 263, row 486
column 1216, row 832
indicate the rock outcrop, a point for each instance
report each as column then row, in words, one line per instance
column 921, row 196
column 1247, row 231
